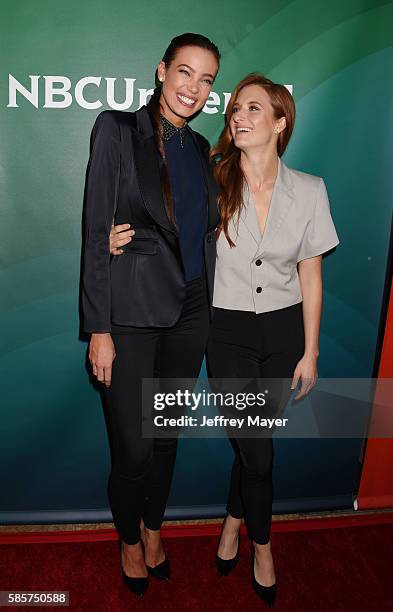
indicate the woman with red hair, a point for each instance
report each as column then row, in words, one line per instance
column 275, row 226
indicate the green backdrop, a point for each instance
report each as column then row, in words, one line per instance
column 337, row 56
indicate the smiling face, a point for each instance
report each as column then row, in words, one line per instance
column 186, row 83
column 253, row 123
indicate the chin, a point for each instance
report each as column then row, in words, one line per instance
column 241, row 142
column 188, row 112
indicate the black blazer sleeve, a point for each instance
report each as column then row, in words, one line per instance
column 101, row 192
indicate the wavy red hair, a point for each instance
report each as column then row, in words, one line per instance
column 226, row 157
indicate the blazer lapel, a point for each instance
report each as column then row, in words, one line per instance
column 249, row 216
column 282, row 198
column 147, row 164
column 210, row 185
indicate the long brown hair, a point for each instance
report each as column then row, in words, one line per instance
column 226, row 157
column 154, row 106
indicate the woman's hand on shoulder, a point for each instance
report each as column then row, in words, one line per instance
column 306, row 371
column 101, row 356
column 119, row 236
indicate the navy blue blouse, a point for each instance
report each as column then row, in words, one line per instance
column 189, row 196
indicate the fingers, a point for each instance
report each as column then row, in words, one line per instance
column 103, row 374
column 118, row 242
column 124, row 229
column 307, row 385
column 295, row 380
column 121, row 228
column 119, row 236
column 101, row 356
column 302, row 389
column 108, row 376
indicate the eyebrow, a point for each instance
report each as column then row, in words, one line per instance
column 192, row 70
column 251, row 102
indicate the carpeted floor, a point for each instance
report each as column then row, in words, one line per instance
column 328, row 570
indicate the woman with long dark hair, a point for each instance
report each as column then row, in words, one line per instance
column 148, row 311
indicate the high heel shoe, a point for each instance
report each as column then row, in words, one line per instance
column 162, row 571
column 225, row 566
column 266, row 593
column 136, row 585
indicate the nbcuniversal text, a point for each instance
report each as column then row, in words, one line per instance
column 92, row 93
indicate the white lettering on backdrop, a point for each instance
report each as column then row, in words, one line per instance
column 59, row 92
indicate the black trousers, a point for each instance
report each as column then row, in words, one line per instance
column 142, row 468
column 245, row 345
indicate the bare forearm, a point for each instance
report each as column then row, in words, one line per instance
column 311, row 286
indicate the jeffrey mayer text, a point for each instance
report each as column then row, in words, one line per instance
column 218, row 421
column 256, row 421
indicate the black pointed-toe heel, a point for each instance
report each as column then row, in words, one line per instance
column 266, row 593
column 162, row 571
column 225, row 566
column 136, row 585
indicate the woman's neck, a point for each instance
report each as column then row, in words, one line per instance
column 260, row 168
column 169, row 115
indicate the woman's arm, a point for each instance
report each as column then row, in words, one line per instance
column 310, row 276
column 99, row 207
column 100, row 201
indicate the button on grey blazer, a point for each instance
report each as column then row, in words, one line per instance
column 260, row 273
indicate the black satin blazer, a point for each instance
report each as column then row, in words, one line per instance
column 145, row 285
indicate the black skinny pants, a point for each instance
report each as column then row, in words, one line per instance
column 247, row 345
column 142, row 468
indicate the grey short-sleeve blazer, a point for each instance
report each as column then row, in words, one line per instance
column 260, row 273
